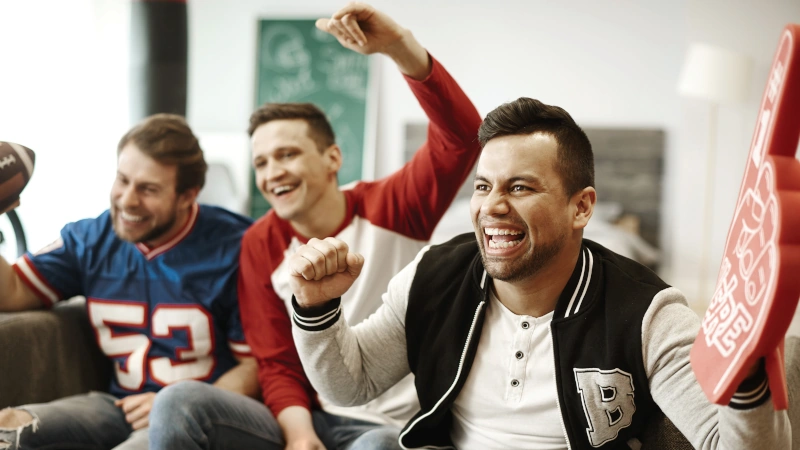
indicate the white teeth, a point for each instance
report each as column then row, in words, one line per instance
column 130, row 217
column 504, row 244
column 281, row 189
column 501, row 232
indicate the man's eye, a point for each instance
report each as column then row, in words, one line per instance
column 481, row 187
column 518, row 188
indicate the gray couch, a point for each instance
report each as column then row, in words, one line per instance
column 46, row 355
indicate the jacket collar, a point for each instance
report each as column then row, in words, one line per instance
column 577, row 294
column 581, row 287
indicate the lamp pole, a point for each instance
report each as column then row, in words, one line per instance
column 717, row 76
column 708, row 203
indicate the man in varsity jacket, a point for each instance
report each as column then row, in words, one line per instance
column 528, row 336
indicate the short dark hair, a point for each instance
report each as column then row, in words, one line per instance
column 575, row 161
column 319, row 129
column 168, row 139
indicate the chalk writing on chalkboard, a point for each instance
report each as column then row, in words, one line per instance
column 299, row 63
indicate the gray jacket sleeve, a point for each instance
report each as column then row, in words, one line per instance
column 668, row 332
column 353, row 365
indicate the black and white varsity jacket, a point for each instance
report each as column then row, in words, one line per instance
column 599, row 329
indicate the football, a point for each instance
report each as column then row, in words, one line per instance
column 16, row 168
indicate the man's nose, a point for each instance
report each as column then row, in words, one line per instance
column 128, row 198
column 495, row 204
column 275, row 170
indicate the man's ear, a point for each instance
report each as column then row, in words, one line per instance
column 584, row 202
column 333, row 154
column 187, row 198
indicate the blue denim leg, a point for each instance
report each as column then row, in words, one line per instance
column 194, row 415
column 378, row 437
column 87, row 421
column 353, row 434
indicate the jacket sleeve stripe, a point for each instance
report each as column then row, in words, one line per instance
column 317, row 318
column 752, row 392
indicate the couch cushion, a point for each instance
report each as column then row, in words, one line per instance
column 46, row 355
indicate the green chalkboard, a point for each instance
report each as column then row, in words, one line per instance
column 299, row 63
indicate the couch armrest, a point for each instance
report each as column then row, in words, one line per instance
column 47, row 355
column 660, row 433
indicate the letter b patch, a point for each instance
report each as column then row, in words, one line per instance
column 607, row 397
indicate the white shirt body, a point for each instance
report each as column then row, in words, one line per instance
column 510, row 399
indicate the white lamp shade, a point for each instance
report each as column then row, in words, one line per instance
column 715, row 74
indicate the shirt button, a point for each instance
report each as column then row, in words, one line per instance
column 519, row 355
column 514, row 383
column 525, row 325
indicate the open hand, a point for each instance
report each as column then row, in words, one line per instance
column 323, row 270
column 362, row 28
column 137, row 409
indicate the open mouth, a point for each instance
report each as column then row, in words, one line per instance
column 283, row 189
column 503, row 237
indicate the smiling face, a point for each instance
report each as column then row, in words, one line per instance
column 522, row 216
column 144, row 204
column 291, row 172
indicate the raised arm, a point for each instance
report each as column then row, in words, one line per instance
column 668, row 332
column 14, row 294
column 428, row 184
column 365, row 30
column 349, row 366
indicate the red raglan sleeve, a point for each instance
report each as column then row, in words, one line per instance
column 268, row 329
column 413, row 200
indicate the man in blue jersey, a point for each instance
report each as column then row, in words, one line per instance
column 159, row 275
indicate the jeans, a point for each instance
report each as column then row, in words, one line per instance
column 87, row 421
column 191, row 415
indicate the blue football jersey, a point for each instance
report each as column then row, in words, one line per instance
column 161, row 314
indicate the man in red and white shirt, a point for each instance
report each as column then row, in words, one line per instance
column 296, row 161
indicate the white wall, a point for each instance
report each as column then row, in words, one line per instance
column 608, row 62
column 64, row 94
column 751, row 28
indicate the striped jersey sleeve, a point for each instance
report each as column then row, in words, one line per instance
column 54, row 272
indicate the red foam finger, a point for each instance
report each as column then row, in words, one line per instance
column 759, row 283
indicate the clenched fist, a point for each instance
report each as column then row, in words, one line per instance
column 323, row 270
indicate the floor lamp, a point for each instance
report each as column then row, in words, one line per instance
column 717, row 76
